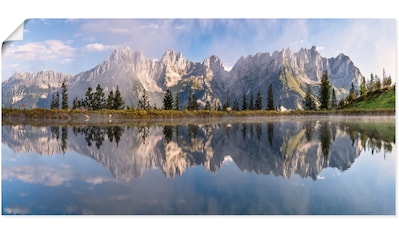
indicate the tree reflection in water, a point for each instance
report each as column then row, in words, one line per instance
column 298, row 147
column 97, row 134
column 325, row 138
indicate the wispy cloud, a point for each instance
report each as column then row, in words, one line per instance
column 96, row 180
column 98, row 47
column 44, row 175
column 42, row 51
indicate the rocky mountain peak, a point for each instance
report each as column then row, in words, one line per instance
column 172, row 57
column 132, row 71
column 126, row 55
column 213, row 62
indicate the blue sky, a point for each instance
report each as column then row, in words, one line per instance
column 73, row 45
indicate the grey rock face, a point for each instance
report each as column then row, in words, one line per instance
column 289, row 74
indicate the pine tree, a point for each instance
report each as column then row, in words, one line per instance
column 371, row 83
column 88, row 100
column 227, row 105
column 236, row 107
column 192, row 102
column 258, row 101
column 351, row 97
column 363, row 89
column 56, row 103
column 270, row 101
column 168, row 100
column 378, row 83
column 324, row 93
column 244, row 102
column 333, row 99
column 75, row 103
column 177, row 101
column 118, row 103
column 251, row 105
column 386, row 82
column 110, row 100
column 64, row 96
column 98, row 98
column 144, row 102
column 309, row 102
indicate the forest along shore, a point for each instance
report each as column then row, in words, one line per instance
column 43, row 117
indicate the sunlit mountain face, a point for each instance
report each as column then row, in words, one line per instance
column 289, row 73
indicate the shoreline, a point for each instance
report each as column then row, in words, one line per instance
column 42, row 117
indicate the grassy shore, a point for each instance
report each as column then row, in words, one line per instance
column 47, row 116
column 380, row 99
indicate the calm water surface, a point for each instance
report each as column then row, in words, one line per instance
column 257, row 166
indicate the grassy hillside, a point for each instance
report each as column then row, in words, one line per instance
column 384, row 99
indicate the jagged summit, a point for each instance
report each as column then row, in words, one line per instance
column 131, row 71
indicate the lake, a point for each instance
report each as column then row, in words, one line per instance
column 228, row 166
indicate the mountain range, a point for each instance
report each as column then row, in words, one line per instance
column 289, row 73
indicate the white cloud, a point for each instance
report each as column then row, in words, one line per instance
column 96, row 180
column 45, row 175
column 66, row 60
column 42, row 51
column 98, row 47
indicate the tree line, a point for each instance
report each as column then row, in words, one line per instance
column 92, row 100
column 327, row 97
column 250, row 102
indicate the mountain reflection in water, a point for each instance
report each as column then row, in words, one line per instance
column 284, row 149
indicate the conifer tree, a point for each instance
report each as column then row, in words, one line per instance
column 110, row 100
column 55, row 101
column 251, row 102
column 64, row 96
column 98, row 98
column 177, row 101
column 309, row 102
column 371, row 83
column 351, row 97
column 75, row 103
column 244, row 102
column 333, row 99
column 386, row 82
column 168, row 100
column 192, row 101
column 118, row 103
column 226, row 105
column 144, row 102
column 270, row 101
column 324, row 93
column 363, row 89
column 88, row 100
column 236, row 107
column 258, row 101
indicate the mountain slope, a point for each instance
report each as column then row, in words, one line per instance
column 382, row 99
column 289, row 73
